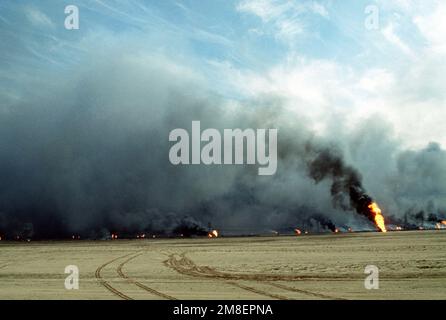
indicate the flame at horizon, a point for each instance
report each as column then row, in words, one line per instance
column 379, row 219
column 213, row 234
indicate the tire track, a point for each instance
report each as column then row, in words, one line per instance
column 139, row 284
column 188, row 267
column 107, row 285
column 261, row 292
column 310, row 293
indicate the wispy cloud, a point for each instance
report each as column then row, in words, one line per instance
column 37, row 17
column 319, row 9
column 391, row 36
column 284, row 16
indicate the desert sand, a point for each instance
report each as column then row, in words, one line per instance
column 412, row 265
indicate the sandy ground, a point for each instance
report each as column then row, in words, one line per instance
column 412, row 265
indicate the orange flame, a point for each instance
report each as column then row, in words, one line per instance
column 443, row 222
column 379, row 219
column 213, row 234
column 298, row 232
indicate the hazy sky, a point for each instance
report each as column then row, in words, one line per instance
column 316, row 54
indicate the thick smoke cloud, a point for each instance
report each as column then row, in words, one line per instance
column 421, row 190
column 89, row 156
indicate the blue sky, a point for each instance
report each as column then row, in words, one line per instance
column 316, row 54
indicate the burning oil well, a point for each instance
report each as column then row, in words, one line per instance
column 346, row 186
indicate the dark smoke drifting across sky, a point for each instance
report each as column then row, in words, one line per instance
column 87, row 153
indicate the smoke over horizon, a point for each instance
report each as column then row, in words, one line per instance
column 88, row 154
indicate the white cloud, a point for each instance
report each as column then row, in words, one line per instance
column 399, row 5
column 284, row 16
column 319, row 9
column 37, row 17
column 433, row 27
column 390, row 35
column 319, row 91
column 265, row 9
column 287, row 29
column 376, row 81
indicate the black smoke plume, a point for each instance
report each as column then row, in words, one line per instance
column 325, row 222
column 346, row 186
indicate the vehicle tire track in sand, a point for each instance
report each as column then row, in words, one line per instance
column 261, row 292
column 188, row 267
column 107, row 285
column 139, row 284
column 306, row 292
